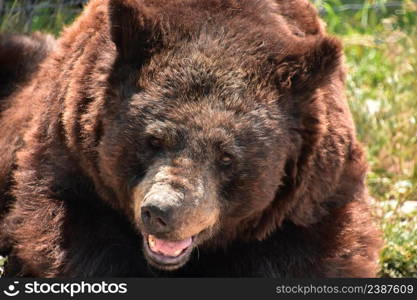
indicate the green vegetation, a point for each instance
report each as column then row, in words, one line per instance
column 381, row 55
column 49, row 16
column 380, row 40
column 2, row 261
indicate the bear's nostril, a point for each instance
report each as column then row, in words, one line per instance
column 156, row 219
column 161, row 222
column 147, row 215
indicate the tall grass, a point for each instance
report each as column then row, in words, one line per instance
column 37, row 15
column 380, row 39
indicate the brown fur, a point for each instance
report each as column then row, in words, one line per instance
column 150, row 96
column 20, row 57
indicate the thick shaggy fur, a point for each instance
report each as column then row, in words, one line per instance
column 20, row 57
column 256, row 80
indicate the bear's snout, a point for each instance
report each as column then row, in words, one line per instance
column 159, row 213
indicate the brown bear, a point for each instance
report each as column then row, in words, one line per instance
column 186, row 138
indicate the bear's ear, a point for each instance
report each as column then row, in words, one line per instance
column 309, row 65
column 132, row 26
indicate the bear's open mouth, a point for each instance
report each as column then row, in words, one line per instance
column 167, row 255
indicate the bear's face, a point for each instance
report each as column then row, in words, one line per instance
column 198, row 151
column 206, row 127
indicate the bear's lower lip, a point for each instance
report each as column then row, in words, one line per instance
column 166, row 262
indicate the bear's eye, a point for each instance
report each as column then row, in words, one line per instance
column 226, row 160
column 155, row 143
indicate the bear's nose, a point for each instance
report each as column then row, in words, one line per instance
column 157, row 213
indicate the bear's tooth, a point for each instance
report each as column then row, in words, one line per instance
column 151, row 241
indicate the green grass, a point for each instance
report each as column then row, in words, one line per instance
column 2, row 261
column 381, row 56
column 49, row 16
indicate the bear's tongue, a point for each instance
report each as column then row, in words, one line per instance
column 168, row 248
